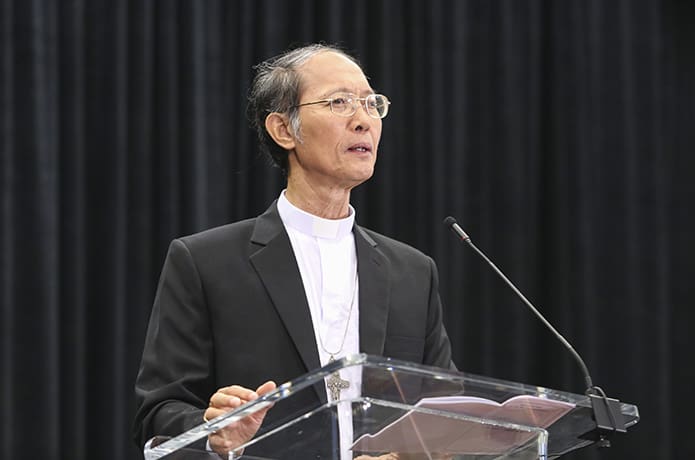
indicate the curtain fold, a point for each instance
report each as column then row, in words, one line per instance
column 559, row 134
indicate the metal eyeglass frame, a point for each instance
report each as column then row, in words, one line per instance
column 352, row 99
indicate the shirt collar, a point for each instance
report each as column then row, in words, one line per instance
column 312, row 225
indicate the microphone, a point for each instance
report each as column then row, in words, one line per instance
column 606, row 410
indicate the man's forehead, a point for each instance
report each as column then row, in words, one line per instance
column 329, row 71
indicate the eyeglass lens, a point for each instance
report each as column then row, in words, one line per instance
column 376, row 105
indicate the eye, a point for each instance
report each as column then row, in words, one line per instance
column 340, row 100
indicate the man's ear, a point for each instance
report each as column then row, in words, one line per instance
column 278, row 127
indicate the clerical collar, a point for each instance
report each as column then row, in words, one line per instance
column 312, row 225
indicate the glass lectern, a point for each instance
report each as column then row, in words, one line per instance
column 392, row 409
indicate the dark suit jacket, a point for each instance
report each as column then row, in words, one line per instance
column 230, row 309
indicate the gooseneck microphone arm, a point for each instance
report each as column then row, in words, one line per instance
column 606, row 411
column 456, row 228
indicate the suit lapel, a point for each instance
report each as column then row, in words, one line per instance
column 276, row 265
column 373, row 268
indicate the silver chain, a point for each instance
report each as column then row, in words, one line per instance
column 347, row 325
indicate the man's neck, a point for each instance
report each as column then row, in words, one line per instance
column 321, row 202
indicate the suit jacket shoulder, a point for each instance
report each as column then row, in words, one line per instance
column 393, row 248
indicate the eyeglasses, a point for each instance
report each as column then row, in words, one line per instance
column 345, row 104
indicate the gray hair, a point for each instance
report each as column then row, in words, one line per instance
column 275, row 88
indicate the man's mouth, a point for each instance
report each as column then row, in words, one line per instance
column 362, row 148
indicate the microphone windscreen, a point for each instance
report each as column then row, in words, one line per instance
column 449, row 221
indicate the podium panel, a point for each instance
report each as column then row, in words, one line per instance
column 387, row 409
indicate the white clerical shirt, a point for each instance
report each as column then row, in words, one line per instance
column 327, row 261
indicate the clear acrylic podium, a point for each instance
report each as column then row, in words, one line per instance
column 395, row 409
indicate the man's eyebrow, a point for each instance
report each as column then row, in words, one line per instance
column 346, row 90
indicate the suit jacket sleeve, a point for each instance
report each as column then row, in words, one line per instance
column 176, row 362
column 437, row 345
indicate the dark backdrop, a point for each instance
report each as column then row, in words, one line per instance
column 559, row 133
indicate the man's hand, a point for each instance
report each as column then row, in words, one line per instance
column 236, row 434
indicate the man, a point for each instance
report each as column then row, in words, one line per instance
column 266, row 300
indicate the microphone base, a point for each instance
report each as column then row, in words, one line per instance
column 607, row 414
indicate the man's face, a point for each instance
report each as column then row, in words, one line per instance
column 335, row 151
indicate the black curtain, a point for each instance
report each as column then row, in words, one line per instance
column 560, row 134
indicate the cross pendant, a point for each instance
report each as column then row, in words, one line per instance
column 335, row 384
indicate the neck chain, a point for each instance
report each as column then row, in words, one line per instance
column 347, row 325
column 335, row 382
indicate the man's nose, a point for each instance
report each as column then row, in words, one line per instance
column 361, row 118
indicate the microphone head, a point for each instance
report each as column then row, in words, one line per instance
column 456, row 228
column 449, row 221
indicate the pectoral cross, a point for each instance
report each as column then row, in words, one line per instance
column 335, row 383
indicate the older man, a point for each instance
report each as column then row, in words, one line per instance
column 266, row 300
